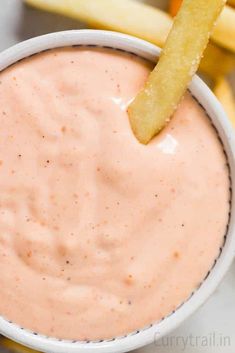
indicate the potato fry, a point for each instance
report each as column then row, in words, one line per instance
column 127, row 16
column 224, row 32
column 15, row 347
column 154, row 105
column 217, row 61
column 224, row 93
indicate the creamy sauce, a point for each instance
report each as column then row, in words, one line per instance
column 100, row 235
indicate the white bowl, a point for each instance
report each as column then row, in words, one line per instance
column 206, row 98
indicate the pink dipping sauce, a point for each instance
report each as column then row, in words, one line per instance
column 100, row 235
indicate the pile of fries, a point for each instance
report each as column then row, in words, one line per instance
column 152, row 24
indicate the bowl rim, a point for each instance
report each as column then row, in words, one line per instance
column 214, row 109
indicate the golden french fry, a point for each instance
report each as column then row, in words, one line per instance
column 15, row 347
column 225, row 94
column 127, row 16
column 155, row 104
column 217, row 61
column 224, row 32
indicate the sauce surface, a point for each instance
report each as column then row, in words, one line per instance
column 100, row 235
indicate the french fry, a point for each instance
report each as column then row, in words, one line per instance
column 15, row 347
column 224, row 32
column 224, row 93
column 127, row 16
column 154, row 105
column 217, row 61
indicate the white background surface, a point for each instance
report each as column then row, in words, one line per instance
column 211, row 328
